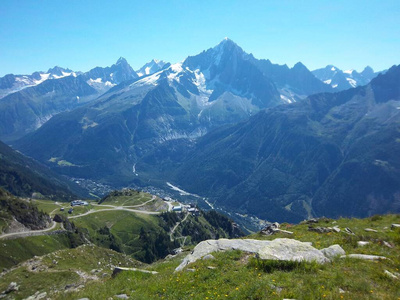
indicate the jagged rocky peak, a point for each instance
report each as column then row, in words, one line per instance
column 59, row 71
column 151, row 67
column 300, row 67
column 122, row 61
column 228, row 46
column 368, row 72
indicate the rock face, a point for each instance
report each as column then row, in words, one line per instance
column 288, row 249
column 278, row 249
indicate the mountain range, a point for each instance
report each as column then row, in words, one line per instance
column 342, row 80
column 250, row 135
column 332, row 154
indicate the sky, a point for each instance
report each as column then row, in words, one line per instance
column 80, row 35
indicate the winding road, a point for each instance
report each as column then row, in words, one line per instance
column 92, row 211
column 176, row 226
column 32, row 232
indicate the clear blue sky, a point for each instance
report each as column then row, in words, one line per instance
column 82, row 34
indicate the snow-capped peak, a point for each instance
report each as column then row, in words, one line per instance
column 151, row 67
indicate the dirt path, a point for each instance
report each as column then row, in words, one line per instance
column 54, row 224
column 176, row 226
column 32, row 232
column 115, row 208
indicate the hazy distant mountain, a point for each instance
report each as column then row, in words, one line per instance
column 343, row 80
column 11, row 83
column 329, row 155
column 151, row 67
column 294, row 83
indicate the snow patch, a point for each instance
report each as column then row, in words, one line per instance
column 286, row 99
column 352, row 82
column 328, row 81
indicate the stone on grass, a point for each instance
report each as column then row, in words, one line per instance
column 208, row 256
column 278, row 249
column 118, row 270
column 362, row 243
column 370, row 230
column 348, row 230
column 391, row 275
column 333, row 251
column 394, row 226
column 389, row 245
column 364, row 256
column 122, row 296
column 291, row 250
column 12, row 287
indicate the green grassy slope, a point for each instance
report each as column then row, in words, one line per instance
column 237, row 275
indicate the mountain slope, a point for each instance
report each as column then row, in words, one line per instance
column 11, row 83
column 294, row 83
column 332, row 154
column 23, row 177
column 25, row 111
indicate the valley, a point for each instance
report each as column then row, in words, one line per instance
column 144, row 156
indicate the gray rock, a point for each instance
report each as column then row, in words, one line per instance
column 320, row 229
column 389, row 245
column 118, row 270
column 37, row 296
column 333, row 251
column 311, row 221
column 208, row 256
column 293, row 250
column 122, row 296
column 394, row 226
column 362, row 243
column 364, row 256
column 12, row 287
column 270, row 229
column 190, row 270
column 211, row 267
column 284, row 231
column 348, row 230
column 84, row 299
column 391, row 275
column 336, row 229
column 370, row 230
column 278, row 249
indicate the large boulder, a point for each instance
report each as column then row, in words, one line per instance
column 278, row 249
column 293, row 250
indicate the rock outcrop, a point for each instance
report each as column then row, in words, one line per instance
column 278, row 249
